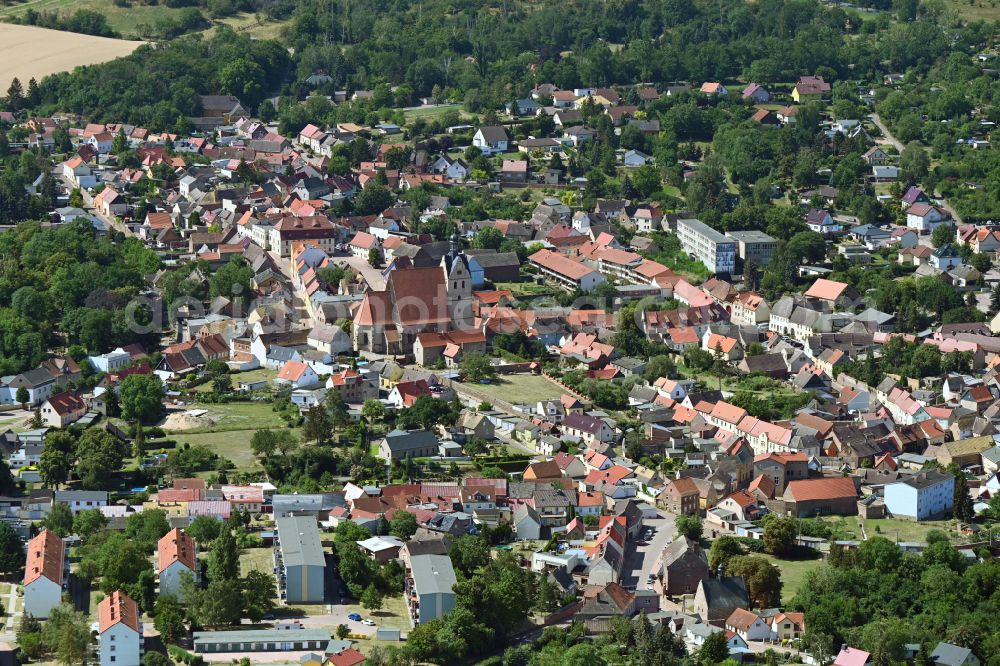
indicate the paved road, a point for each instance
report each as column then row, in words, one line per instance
column 645, row 559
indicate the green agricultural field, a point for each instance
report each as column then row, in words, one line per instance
column 520, row 389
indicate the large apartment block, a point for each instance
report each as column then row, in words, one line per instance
column 711, row 247
column 756, row 246
column 299, row 560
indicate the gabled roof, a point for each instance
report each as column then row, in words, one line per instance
column 66, row 402
column 118, row 608
column 830, row 488
column 176, row 546
column 827, row 290
column 46, row 556
column 741, row 619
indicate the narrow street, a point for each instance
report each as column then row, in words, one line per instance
column 889, row 138
column 88, row 205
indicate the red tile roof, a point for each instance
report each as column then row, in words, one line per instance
column 118, row 608
column 821, row 489
column 826, row 290
column 46, row 553
column 176, row 546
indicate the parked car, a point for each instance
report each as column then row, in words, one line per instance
column 355, row 617
column 367, row 622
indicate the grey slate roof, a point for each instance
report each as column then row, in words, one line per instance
column 300, row 545
column 726, row 592
column 947, row 654
column 432, row 574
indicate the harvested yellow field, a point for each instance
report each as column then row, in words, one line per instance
column 27, row 51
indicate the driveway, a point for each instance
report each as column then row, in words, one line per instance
column 643, row 560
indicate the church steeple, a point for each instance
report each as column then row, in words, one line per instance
column 458, row 278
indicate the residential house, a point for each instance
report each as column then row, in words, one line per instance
column 756, row 94
column 680, row 496
column 298, row 375
column 948, row 654
column 491, row 140
column 63, row 409
column 587, row 429
column 713, row 89
column 749, row 626
column 821, row 222
column 684, row 567
column 82, row 500
column 925, row 218
column 809, row 88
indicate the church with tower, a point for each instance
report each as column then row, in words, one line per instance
column 432, row 299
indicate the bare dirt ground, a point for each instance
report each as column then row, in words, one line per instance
column 184, row 421
column 27, row 51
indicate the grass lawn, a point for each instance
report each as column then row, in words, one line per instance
column 521, row 389
column 258, row 375
column 229, row 435
column 906, row 530
column 392, row 613
column 233, row 445
column 524, row 289
column 15, row 424
column 259, row 559
column 977, row 10
column 793, row 574
column 247, row 24
column 123, row 20
column 237, row 416
column 431, row 112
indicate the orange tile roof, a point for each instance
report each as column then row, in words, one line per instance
column 827, row 290
column 821, row 489
column 292, row 371
column 556, row 262
column 176, row 546
column 46, row 556
column 118, row 608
